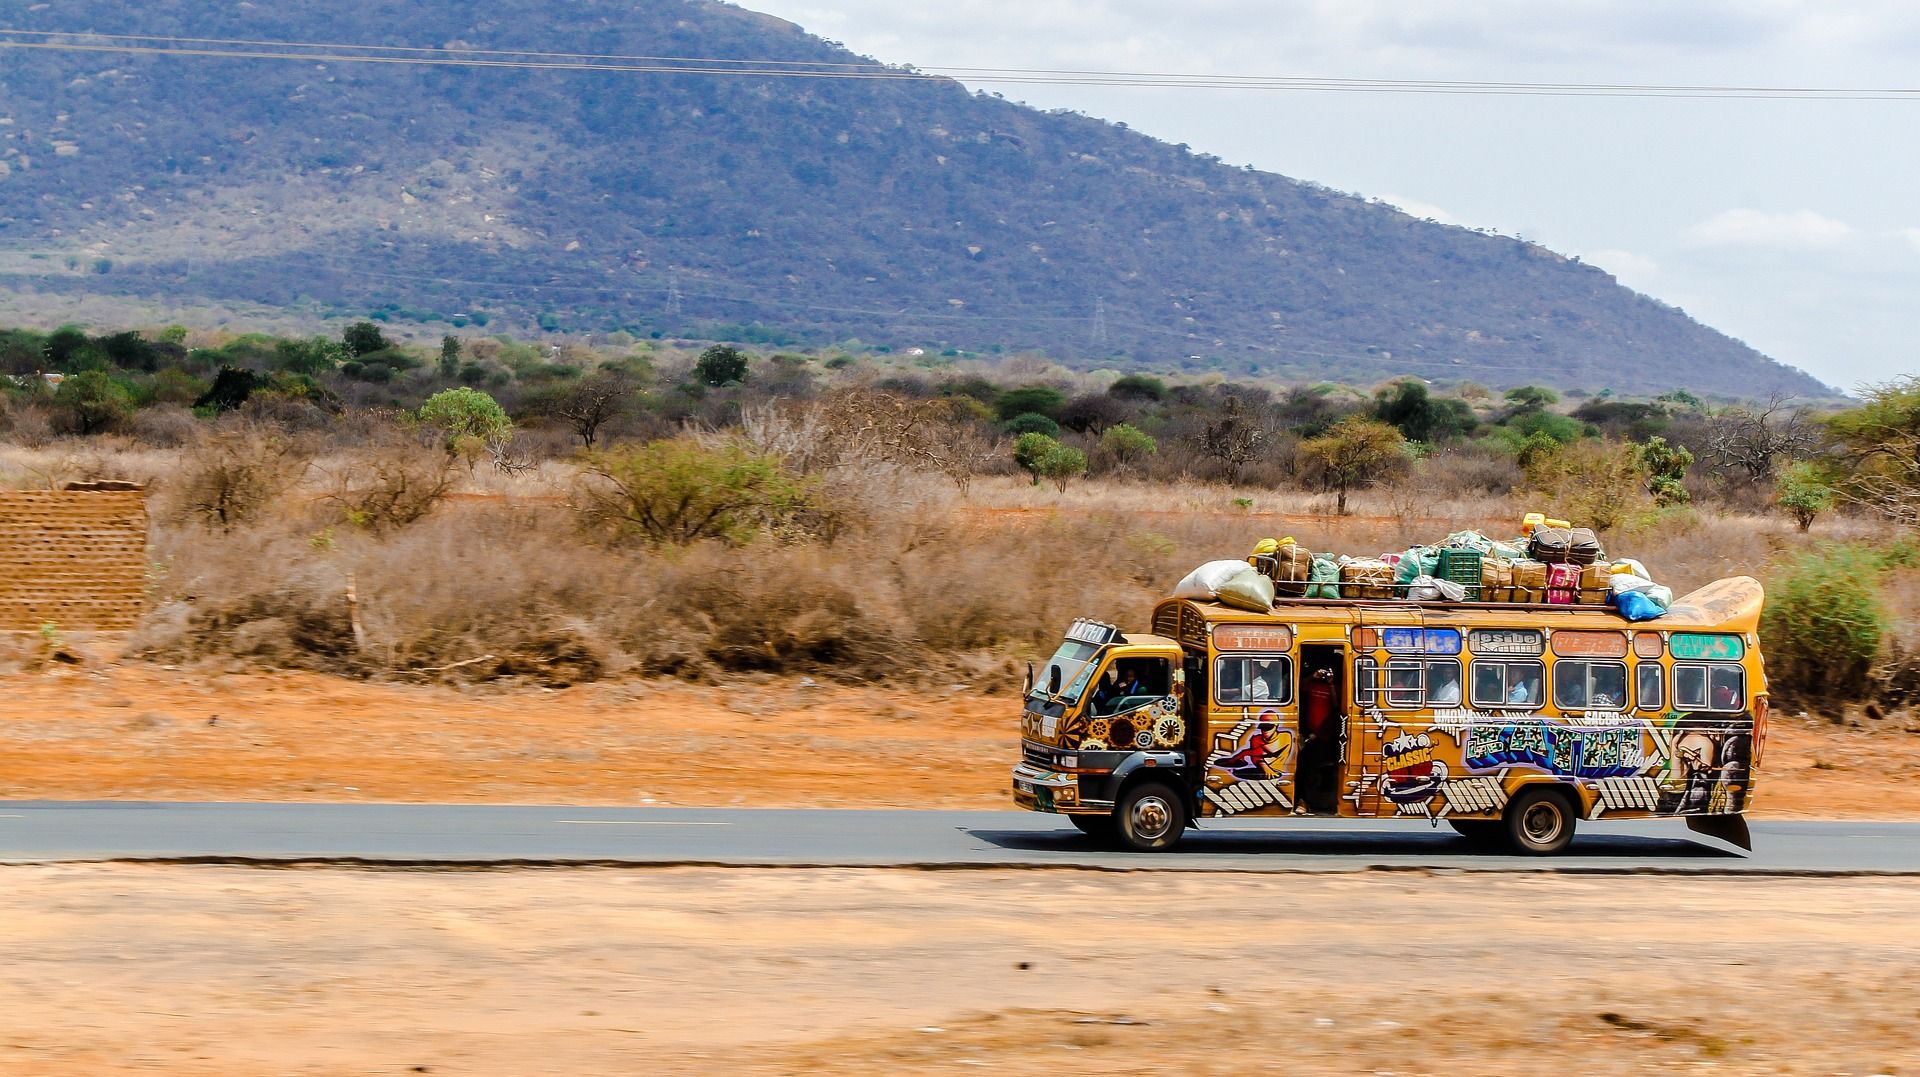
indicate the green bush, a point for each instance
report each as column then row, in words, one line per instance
column 1824, row 622
column 1033, row 423
column 679, row 492
column 1127, row 444
column 722, row 364
column 91, row 402
column 1804, row 492
column 1044, row 458
column 1042, row 399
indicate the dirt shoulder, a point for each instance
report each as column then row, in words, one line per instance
column 235, row 971
column 135, row 731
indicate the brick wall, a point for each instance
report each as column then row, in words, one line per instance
column 76, row 559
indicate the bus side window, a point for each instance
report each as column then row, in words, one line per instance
column 1589, row 685
column 1728, row 688
column 1499, row 683
column 1245, row 680
column 1570, row 685
column 1649, row 693
column 1690, row 688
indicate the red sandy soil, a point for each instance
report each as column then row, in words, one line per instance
column 224, row 971
column 136, row 731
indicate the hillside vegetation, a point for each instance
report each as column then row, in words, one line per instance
column 781, row 210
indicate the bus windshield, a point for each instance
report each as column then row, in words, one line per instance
column 1074, row 660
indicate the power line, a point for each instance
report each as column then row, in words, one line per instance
column 237, row 48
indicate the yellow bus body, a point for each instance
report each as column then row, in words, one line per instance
column 1665, row 718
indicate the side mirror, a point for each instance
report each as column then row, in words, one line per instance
column 1027, row 689
column 1053, row 680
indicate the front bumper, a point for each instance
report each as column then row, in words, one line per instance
column 1039, row 789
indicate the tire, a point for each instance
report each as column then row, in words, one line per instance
column 1150, row 817
column 1478, row 831
column 1100, row 828
column 1539, row 822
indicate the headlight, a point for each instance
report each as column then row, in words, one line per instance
column 1070, row 761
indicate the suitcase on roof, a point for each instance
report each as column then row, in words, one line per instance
column 1564, row 546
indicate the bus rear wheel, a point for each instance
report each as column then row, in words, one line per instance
column 1150, row 817
column 1100, row 828
column 1539, row 822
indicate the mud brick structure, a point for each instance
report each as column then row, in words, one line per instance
column 75, row 558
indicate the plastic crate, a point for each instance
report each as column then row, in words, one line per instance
column 1461, row 567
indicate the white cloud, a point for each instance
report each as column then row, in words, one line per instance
column 1636, row 271
column 1415, row 208
column 1912, row 236
column 1800, row 230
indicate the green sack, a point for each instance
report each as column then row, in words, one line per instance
column 1323, row 579
column 1507, row 551
column 1415, row 563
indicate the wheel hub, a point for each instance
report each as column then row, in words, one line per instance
column 1151, row 817
column 1542, row 823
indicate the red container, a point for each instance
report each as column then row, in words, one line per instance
column 1563, row 584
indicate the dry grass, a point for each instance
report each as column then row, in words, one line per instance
column 501, row 582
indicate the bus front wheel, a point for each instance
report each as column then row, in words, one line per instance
column 1150, row 817
column 1539, row 822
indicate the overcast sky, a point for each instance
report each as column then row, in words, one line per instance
column 1792, row 225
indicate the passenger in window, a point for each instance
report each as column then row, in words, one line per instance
column 1525, row 691
column 1609, row 688
column 1269, row 681
column 1726, row 697
column 1232, row 676
column 1444, row 691
column 1489, row 684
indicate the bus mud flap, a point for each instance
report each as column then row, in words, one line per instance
column 1731, row 829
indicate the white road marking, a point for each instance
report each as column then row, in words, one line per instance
column 640, row 822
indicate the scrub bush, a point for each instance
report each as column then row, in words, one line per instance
column 1824, row 623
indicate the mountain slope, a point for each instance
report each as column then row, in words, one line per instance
column 896, row 212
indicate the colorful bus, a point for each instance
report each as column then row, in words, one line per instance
column 1507, row 723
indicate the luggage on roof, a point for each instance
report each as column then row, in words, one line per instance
column 1564, row 546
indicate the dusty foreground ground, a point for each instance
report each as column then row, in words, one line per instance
column 236, row 971
column 142, row 731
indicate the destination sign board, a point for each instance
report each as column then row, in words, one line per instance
column 1527, row 642
column 1590, row 644
column 1712, row 646
column 1093, row 632
column 1252, row 638
column 1421, row 640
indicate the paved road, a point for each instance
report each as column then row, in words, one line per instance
column 101, row 830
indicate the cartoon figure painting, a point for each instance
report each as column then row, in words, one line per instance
column 1254, row 750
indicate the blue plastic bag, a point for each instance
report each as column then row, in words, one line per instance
column 1636, row 606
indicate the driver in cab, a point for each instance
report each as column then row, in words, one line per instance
column 1122, row 679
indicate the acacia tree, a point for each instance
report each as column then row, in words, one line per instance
column 1881, row 439
column 1233, row 440
column 1745, row 445
column 593, row 402
column 1356, row 453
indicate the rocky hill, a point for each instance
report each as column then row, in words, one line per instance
column 905, row 213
